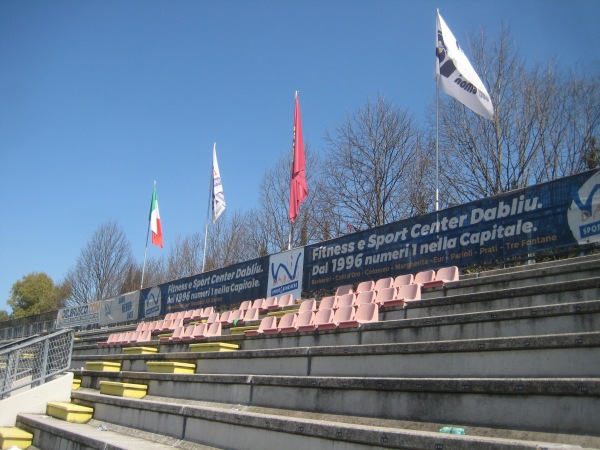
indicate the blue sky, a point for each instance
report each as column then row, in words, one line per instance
column 100, row 98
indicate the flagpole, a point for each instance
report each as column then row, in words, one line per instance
column 437, row 158
column 146, row 248
column 210, row 191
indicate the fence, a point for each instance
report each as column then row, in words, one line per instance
column 34, row 361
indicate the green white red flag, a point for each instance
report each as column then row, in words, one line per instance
column 155, row 225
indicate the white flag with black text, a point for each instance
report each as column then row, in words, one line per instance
column 218, row 198
column 455, row 75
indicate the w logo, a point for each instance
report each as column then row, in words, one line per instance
column 584, row 213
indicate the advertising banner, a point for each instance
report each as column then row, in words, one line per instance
column 545, row 216
column 220, row 288
column 120, row 309
column 285, row 273
column 79, row 316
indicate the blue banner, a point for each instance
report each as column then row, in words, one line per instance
column 556, row 214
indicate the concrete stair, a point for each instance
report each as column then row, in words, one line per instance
column 511, row 356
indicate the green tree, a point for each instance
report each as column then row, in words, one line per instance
column 36, row 293
column 4, row 315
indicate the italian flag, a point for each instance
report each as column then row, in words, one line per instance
column 155, row 226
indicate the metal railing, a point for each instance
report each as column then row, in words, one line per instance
column 34, row 361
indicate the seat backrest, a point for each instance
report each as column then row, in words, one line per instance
column 286, row 300
column 140, row 326
column 199, row 329
column 447, row 274
column 345, row 300
column 145, row 336
column 251, row 314
column 224, row 318
column 402, row 280
column 329, row 302
column 424, row 277
column 214, row 329
column 344, row 289
column 269, row 301
column 197, row 314
column 268, row 323
column 305, row 318
column 169, row 316
column 409, row 292
column 386, row 294
column 383, row 283
column 213, row 317
column 309, row 304
column 246, row 304
column 365, row 297
column 234, row 315
column 323, row 316
column 258, row 303
column 188, row 314
column 364, row 286
column 367, row 312
column 343, row 314
column 206, row 312
column 288, row 320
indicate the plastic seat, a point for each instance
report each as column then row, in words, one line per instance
column 403, row 280
column 268, row 322
column 144, row 336
column 424, row 277
column 365, row 313
column 212, row 318
column 157, row 328
column 344, row 289
column 213, row 330
column 365, row 297
column 346, row 300
column 272, row 328
column 206, row 312
column 285, row 300
column 287, row 324
column 342, row 314
column 443, row 276
column 224, row 317
column 365, row 286
column 250, row 315
column 111, row 339
column 140, row 326
column 187, row 316
column 305, row 321
column 383, row 283
column 409, row 292
column 178, row 333
column 309, row 304
column 258, row 303
column 197, row 314
column 329, row 302
column 169, row 316
column 386, row 297
column 235, row 317
column 270, row 303
column 246, row 304
column 322, row 317
column 196, row 333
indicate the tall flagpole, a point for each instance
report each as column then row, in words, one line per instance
column 437, row 158
column 146, row 248
column 210, row 192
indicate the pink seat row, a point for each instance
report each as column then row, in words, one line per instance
column 129, row 337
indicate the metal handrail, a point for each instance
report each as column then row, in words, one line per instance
column 35, row 361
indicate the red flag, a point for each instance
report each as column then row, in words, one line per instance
column 298, row 188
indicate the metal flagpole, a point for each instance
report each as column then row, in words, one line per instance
column 146, row 248
column 210, row 192
column 437, row 139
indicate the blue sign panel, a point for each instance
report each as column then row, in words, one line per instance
column 560, row 213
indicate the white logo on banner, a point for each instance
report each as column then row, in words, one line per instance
column 584, row 213
column 285, row 273
column 152, row 304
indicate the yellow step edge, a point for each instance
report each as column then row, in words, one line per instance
column 282, row 313
column 69, row 412
column 103, row 366
column 170, row 367
column 240, row 330
column 214, row 347
column 14, row 437
column 76, row 384
column 128, row 390
column 139, row 350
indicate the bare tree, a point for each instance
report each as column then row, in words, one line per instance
column 185, row 257
column 101, row 267
column 543, row 125
column 368, row 165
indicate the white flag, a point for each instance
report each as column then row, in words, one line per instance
column 217, row 194
column 455, row 75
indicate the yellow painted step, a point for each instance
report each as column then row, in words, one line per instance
column 282, row 312
column 69, row 412
column 214, row 347
column 170, row 367
column 103, row 366
column 240, row 330
column 76, row 384
column 139, row 350
column 128, row 390
column 14, row 437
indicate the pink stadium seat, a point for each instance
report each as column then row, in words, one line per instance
column 212, row 318
column 402, row 280
column 258, row 303
column 179, row 332
column 176, row 333
column 443, row 276
column 272, row 329
column 250, row 315
column 197, row 314
column 364, row 286
column 180, row 315
column 346, row 300
column 213, row 330
column 383, row 283
column 236, row 316
column 206, row 312
column 186, row 334
column 305, row 321
column 365, row 297
column 157, row 328
column 424, row 277
column 224, row 317
column 268, row 322
column 144, row 336
column 366, row 312
column 387, row 296
column 286, row 300
column 342, row 314
column 309, row 304
column 329, row 302
column 246, row 304
column 196, row 333
column 140, row 326
column 111, row 338
column 270, row 303
column 188, row 315
column 287, row 324
column 169, row 316
column 344, row 289
column 322, row 318
column 409, row 292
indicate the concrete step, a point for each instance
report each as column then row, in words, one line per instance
column 50, row 433
column 240, row 426
column 555, row 355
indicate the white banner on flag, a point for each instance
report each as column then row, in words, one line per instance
column 218, row 196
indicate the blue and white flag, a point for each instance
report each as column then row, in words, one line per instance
column 455, row 75
column 218, row 198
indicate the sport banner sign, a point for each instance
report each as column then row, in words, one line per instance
column 79, row 316
column 556, row 214
column 220, row 288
